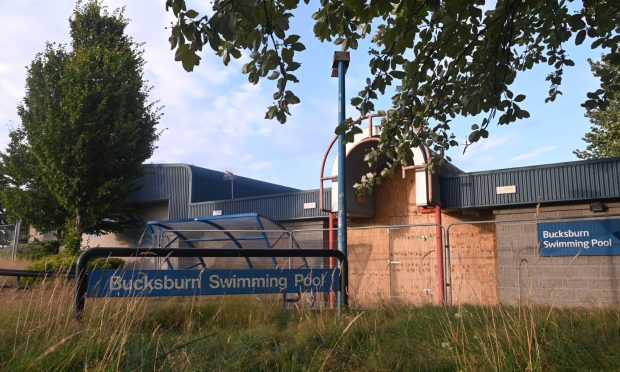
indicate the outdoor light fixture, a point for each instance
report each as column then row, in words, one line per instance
column 597, row 207
column 230, row 176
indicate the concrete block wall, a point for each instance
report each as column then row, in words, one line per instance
column 524, row 277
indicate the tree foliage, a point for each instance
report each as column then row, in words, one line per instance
column 86, row 128
column 446, row 58
column 603, row 140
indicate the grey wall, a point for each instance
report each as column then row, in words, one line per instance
column 279, row 207
column 526, row 277
column 582, row 180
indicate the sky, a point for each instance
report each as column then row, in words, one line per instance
column 214, row 118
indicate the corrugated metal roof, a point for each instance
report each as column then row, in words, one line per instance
column 550, row 183
column 183, row 184
column 208, row 185
column 278, row 207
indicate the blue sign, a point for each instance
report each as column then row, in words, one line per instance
column 584, row 238
column 156, row 283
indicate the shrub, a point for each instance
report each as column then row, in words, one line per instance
column 38, row 249
column 64, row 262
column 106, row 263
column 60, row 262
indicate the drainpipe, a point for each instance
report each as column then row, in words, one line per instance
column 439, row 251
column 439, row 241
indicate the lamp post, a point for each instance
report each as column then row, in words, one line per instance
column 230, row 176
column 339, row 70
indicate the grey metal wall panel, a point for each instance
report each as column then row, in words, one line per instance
column 563, row 182
column 279, row 207
column 166, row 182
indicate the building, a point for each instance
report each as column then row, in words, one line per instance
column 500, row 236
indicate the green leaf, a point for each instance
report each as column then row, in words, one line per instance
column 356, row 101
column 287, row 55
column 292, row 39
column 597, row 43
column 298, row 47
column 189, row 61
column 398, row 74
column 474, row 136
column 519, row 97
column 581, row 36
column 191, row 13
column 292, row 66
column 291, row 98
column 271, row 112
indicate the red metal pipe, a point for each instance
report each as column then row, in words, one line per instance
column 322, row 178
column 439, row 240
column 332, row 261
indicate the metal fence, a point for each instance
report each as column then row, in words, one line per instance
column 484, row 261
column 387, row 264
column 9, row 240
column 395, row 264
column 533, row 260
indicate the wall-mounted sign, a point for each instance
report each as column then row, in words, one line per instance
column 510, row 189
column 585, row 238
column 157, row 283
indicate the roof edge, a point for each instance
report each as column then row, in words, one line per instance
column 541, row 166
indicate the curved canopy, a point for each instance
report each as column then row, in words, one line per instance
column 248, row 230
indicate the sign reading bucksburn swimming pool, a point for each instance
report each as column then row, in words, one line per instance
column 157, row 283
column 585, row 238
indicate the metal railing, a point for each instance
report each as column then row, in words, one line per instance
column 82, row 273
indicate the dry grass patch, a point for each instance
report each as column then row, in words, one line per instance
column 37, row 332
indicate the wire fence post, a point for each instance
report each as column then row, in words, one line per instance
column 16, row 239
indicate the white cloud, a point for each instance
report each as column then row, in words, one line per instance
column 215, row 118
column 486, row 153
column 533, row 154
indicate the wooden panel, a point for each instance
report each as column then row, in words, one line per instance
column 413, row 265
column 473, row 264
column 369, row 276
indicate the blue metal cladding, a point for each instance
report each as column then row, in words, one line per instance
column 553, row 183
column 280, row 207
column 183, row 184
column 209, row 185
column 166, row 182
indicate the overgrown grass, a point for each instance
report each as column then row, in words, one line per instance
column 37, row 332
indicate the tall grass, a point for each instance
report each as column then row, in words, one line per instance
column 37, row 332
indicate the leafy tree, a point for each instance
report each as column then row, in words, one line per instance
column 603, row 140
column 448, row 58
column 26, row 195
column 86, row 128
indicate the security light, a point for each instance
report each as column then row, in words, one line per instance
column 598, row 207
